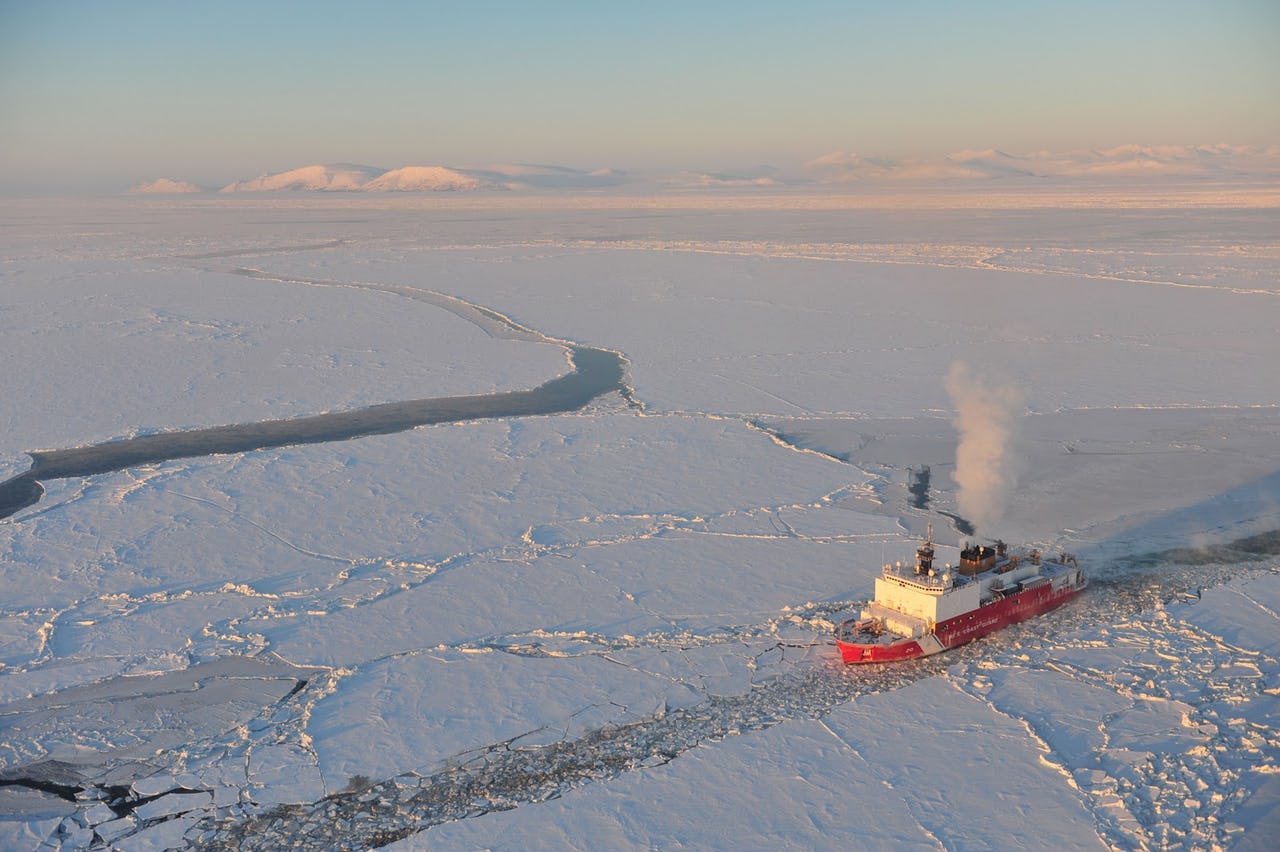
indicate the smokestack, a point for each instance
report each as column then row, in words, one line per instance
column 987, row 421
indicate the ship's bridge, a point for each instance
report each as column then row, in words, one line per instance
column 929, row 582
column 931, row 598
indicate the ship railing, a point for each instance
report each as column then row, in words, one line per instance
column 927, row 582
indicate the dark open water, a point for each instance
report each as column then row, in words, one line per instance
column 596, row 372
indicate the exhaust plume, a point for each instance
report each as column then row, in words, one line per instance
column 987, row 420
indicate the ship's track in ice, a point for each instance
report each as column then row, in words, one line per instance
column 507, row 775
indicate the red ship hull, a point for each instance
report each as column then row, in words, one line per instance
column 894, row 652
column 962, row 628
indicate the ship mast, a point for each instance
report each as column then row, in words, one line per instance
column 924, row 555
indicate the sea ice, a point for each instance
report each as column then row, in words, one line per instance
column 611, row 627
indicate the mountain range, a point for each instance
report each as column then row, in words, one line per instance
column 351, row 177
column 1125, row 161
column 839, row 167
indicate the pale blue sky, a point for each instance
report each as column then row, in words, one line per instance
column 105, row 94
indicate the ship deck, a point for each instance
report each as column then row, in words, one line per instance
column 880, row 625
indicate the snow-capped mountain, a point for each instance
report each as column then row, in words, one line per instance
column 535, row 176
column 163, row 186
column 761, row 177
column 346, row 177
column 341, row 177
column 422, row 179
column 989, row 163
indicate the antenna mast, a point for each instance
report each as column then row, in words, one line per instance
column 924, row 554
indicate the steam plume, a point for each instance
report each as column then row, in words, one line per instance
column 986, row 418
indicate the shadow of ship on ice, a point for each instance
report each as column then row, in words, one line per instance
column 596, row 372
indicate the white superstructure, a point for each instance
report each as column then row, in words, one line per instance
column 912, row 601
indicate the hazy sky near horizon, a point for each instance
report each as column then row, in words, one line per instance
column 108, row 94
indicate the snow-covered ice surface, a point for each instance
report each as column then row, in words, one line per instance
column 610, row 627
